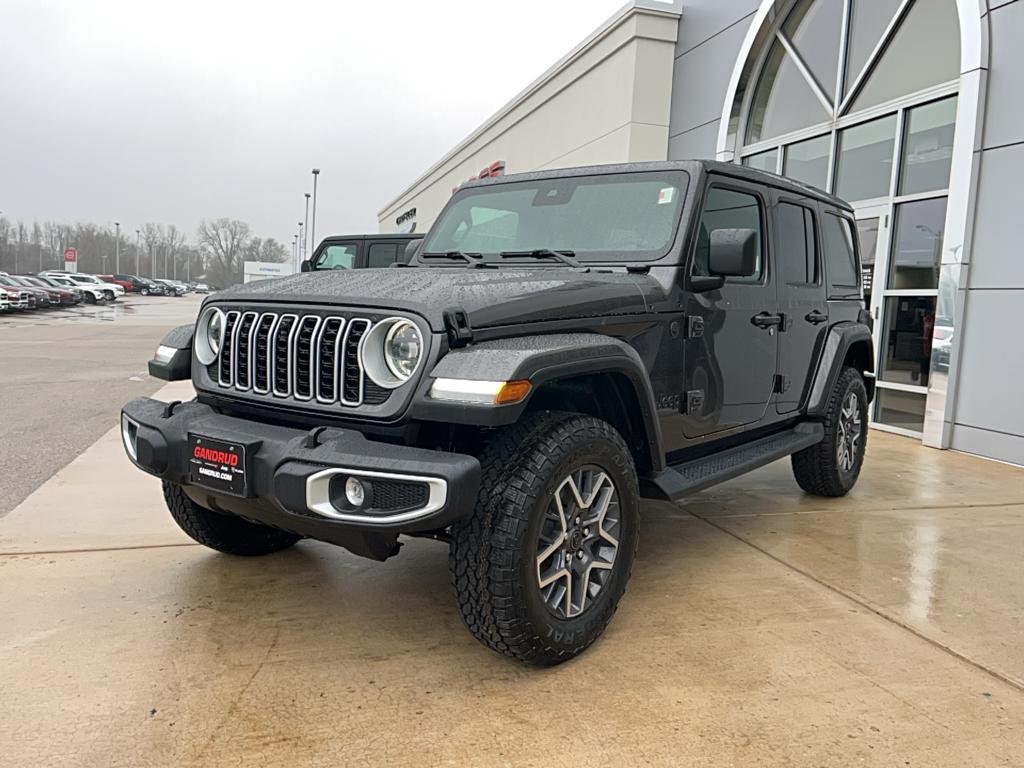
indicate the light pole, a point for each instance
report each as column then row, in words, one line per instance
column 299, row 247
column 138, row 247
column 295, row 252
column 305, row 243
column 312, row 234
column 117, row 247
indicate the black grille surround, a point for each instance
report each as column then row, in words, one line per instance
column 304, row 358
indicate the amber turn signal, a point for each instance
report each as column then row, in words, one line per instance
column 512, row 392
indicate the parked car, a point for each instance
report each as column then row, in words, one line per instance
column 173, row 287
column 112, row 291
column 200, row 287
column 65, row 297
column 39, row 298
column 601, row 336
column 128, row 285
column 12, row 299
column 361, row 252
column 141, row 285
column 91, row 294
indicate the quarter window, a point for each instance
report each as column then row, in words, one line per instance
column 840, row 255
column 728, row 209
column 382, row 255
column 797, row 253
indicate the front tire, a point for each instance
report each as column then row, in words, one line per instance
column 831, row 467
column 540, row 566
column 224, row 533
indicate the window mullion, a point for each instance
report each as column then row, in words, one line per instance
column 876, row 54
column 830, row 107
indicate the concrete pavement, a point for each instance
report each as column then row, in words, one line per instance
column 761, row 627
column 63, row 372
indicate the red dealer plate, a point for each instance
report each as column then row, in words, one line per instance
column 217, row 465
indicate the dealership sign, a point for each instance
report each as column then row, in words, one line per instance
column 71, row 259
column 490, row 172
column 406, row 222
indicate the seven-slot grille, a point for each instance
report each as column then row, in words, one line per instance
column 305, row 357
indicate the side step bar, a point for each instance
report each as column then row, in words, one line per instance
column 679, row 480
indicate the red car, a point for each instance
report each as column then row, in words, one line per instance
column 128, row 285
column 15, row 299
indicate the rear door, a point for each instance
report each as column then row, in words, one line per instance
column 731, row 347
column 797, row 237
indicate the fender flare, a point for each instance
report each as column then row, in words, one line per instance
column 540, row 360
column 176, row 366
column 841, row 337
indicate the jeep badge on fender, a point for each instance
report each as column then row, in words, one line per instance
column 562, row 345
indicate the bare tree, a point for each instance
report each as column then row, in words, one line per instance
column 225, row 240
column 152, row 236
column 266, row 249
column 173, row 240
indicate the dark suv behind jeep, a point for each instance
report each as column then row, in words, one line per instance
column 562, row 345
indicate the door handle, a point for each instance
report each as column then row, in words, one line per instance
column 815, row 317
column 766, row 320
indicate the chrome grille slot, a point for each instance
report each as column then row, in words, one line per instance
column 351, row 369
column 260, row 352
column 327, row 360
column 225, row 367
column 281, row 355
column 242, row 343
column 302, row 356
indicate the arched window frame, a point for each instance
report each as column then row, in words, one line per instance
column 841, row 118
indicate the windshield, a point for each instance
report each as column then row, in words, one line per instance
column 615, row 217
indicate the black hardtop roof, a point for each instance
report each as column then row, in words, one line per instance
column 377, row 236
column 695, row 168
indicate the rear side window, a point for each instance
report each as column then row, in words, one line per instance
column 840, row 255
column 797, row 244
column 728, row 209
column 382, row 255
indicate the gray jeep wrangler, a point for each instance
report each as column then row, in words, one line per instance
column 561, row 345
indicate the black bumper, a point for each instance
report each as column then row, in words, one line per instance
column 280, row 460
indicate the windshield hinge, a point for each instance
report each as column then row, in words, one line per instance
column 456, row 324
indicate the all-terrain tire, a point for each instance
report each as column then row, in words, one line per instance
column 818, row 469
column 493, row 555
column 224, row 533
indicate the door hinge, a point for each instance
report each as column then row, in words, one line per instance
column 694, row 402
column 456, row 323
column 786, row 322
column 694, row 326
column 781, row 383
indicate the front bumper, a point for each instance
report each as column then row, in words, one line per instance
column 286, row 470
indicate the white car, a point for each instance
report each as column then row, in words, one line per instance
column 111, row 290
column 93, row 294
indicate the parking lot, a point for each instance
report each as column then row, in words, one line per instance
column 761, row 627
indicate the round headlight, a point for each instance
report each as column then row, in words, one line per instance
column 402, row 349
column 209, row 335
column 391, row 352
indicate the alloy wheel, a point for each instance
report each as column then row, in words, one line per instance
column 850, row 429
column 578, row 541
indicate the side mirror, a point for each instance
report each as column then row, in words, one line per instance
column 306, row 266
column 733, row 253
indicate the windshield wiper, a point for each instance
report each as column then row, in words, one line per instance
column 469, row 258
column 565, row 256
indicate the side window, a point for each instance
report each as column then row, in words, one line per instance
column 729, row 209
column 796, row 238
column 382, row 255
column 338, row 256
column 840, row 255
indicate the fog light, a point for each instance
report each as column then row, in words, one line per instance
column 355, row 494
column 130, row 437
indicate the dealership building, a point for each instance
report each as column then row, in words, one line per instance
column 912, row 110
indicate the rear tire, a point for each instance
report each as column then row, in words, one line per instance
column 831, row 467
column 532, row 582
column 224, row 533
column 110, row 295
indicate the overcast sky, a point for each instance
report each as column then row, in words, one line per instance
column 171, row 112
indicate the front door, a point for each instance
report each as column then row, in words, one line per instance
column 731, row 347
column 801, row 297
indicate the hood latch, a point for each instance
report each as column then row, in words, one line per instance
column 456, row 324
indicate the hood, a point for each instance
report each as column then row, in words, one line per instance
column 489, row 296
